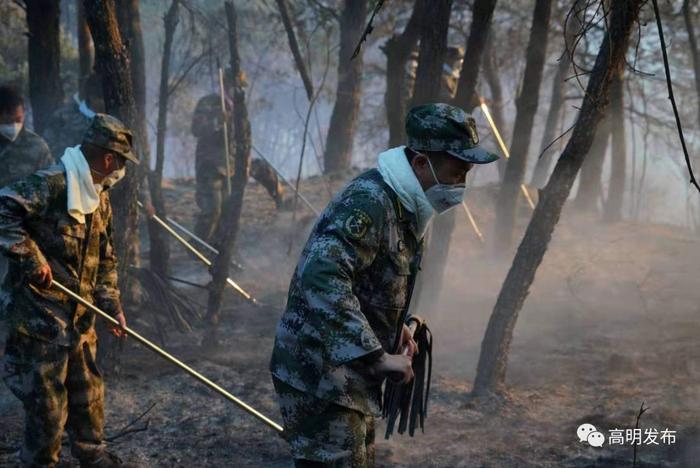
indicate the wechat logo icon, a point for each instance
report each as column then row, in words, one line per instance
column 588, row 433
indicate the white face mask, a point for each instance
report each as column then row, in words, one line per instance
column 444, row 196
column 11, row 131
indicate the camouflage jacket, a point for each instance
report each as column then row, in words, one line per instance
column 35, row 229
column 19, row 158
column 348, row 295
column 65, row 128
column 207, row 127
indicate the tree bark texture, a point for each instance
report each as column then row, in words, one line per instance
column 482, row 13
column 398, row 50
column 612, row 211
column 228, row 229
column 112, row 64
column 129, row 20
column 432, row 51
column 159, row 254
column 526, row 105
column 343, row 123
column 590, row 187
column 694, row 50
column 283, row 7
column 491, row 370
column 86, row 49
column 44, row 54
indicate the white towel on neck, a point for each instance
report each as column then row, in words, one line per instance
column 398, row 174
column 83, row 197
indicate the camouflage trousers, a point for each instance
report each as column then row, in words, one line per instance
column 58, row 386
column 321, row 433
column 211, row 193
column 210, row 196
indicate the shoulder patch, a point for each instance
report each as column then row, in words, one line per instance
column 357, row 223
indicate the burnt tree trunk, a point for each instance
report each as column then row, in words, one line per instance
column 228, row 230
column 694, row 50
column 612, row 211
column 496, row 105
column 44, row 53
column 491, row 371
column 398, row 50
column 432, row 51
column 526, row 105
column 159, row 255
column 86, row 49
column 283, row 7
column 482, row 13
column 343, row 124
column 129, row 20
column 112, row 64
column 590, row 187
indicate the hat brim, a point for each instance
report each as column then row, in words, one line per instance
column 131, row 156
column 476, row 155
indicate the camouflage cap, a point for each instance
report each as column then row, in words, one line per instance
column 441, row 127
column 110, row 133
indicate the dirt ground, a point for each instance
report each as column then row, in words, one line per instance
column 611, row 322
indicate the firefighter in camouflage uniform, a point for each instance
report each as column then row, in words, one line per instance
column 210, row 165
column 57, row 223
column 343, row 328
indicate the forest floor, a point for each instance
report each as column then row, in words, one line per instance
column 611, row 322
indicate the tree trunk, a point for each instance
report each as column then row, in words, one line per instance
column 482, row 13
column 159, row 254
column 86, row 49
column 490, row 379
column 112, row 64
column 343, row 124
column 433, row 47
column 44, row 52
column 694, row 50
column 616, row 191
column 228, row 229
column 283, row 7
column 590, row 187
column 526, row 105
column 496, row 105
column 129, row 20
column 541, row 172
column 431, row 56
column 398, row 50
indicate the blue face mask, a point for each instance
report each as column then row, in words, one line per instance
column 441, row 196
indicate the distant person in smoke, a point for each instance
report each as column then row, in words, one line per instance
column 210, row 162
column 68, row 124
column 344, row 326
column 21, row 150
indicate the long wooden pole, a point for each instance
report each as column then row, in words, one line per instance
column 169, row 357
column 200, row 256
